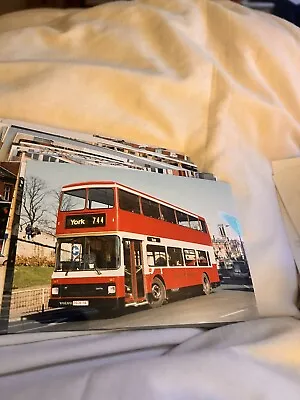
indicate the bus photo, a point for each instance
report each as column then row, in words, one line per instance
column 116, row 247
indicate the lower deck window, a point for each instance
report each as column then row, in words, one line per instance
column 156, row 256
column 189, row 257
column 175, row 256
column 203, row 258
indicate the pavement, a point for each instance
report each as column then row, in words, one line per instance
column 228, row 303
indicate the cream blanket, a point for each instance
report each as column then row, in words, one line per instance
column 208, row 78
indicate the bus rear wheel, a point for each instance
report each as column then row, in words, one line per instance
column 158, row 295
column 207, row 288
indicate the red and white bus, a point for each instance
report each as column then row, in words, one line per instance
column 117, row 246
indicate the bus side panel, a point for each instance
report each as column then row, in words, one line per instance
column 194, row 275
column 139, row 224
column 173, row 278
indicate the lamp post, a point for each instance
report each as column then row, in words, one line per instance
column 9, row 252
column 226, row 238
column 242, row 247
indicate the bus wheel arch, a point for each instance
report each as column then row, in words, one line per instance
column 158, row 294
column 206, row 284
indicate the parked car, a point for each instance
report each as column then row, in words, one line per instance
column 240, row 269
column 235, row 272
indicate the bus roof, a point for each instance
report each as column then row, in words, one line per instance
column 88, row 184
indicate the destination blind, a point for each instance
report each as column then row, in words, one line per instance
column 85, row 221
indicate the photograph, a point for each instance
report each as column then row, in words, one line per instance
column 23, row 141
column 114, row 247
column 10, row 202
column 8, row 178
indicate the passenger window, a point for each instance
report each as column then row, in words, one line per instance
column 156, row 256
column 190, row 257
column 208, row 258
column 73, row 200
column 202, row 258
column 129, row 202
column 150, row 208
column 194, row 223
column 168, row 214
column 182, row 219
column 175, row 256
column 100, row 198
column 203, row 226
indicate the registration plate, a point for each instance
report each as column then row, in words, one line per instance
column 80, row 303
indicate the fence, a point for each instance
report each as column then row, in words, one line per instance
column 29, row 301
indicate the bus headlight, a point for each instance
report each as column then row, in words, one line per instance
column 111, row 290
column 54, row 291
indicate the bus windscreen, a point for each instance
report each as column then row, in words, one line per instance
column 88, row 253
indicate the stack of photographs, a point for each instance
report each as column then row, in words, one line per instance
column 112, row 234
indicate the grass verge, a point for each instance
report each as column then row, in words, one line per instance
column 27, row 276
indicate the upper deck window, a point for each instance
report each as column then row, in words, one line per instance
column 203, row 226
column 168, row 214
column 73, row 200
column 129, row 202
column 194, row 223
column 100, row 198
column 183, row 219
column 150, row 208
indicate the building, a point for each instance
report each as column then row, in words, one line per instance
column 227, row 249
column 8, row 177
column 43, row 248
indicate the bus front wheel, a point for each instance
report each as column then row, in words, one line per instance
column 157, row 296
column 207, row 288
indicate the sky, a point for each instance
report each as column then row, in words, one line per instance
column 208, row 199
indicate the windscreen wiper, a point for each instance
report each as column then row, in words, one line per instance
column 68, row 270
column 98, row 270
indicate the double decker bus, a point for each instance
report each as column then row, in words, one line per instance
column 117, row 247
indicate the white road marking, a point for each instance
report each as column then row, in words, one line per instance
column 29, row 329
column 28, row 322
column 232, row 313
column 58, row 322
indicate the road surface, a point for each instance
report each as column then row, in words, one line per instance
column 224, row 305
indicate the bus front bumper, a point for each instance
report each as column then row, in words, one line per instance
column 111, row 303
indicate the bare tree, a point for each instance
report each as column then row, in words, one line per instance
column 66, row 204
column 34, row 206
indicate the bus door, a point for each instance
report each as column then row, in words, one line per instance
column 134, row 278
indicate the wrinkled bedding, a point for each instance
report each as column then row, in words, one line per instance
column 250, row 360
column 212, row 79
